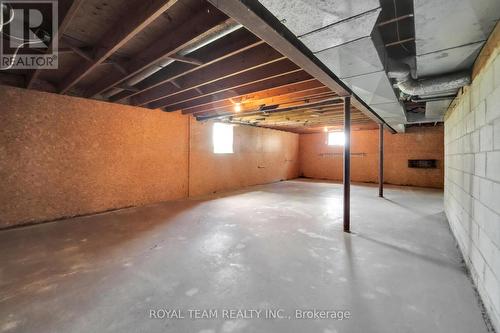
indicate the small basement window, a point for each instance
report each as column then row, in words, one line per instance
column 336, row 138
column 222, row 138
column 422, row 164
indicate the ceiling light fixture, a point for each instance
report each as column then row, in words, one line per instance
column 237, row 107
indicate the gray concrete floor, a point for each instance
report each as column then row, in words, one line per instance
column 276, row 246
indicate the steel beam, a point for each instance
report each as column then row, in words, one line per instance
column 347, row 164
column 256, row 18
column 380, row 160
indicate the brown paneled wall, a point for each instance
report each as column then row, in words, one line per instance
column 63, row 156
column 318, row 160
column 260, row 156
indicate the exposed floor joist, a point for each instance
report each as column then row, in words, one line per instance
column 254, row 75
column 116, row 37
column 66, row 13
column 283, row 41
column 286, row 78
column 197, row 28
column 189, row 57
column 261, row 97
column 242, row 62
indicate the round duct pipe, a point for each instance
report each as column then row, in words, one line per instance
column 428, row 86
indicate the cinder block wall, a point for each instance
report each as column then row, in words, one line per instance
column 472, row 175
column 318, row 160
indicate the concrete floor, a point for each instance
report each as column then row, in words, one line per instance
column 276, row 246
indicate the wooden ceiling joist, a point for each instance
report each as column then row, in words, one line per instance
column 185, row 59
column 330, row 112
column 200, row 25
column 228, row 46
column 256, row 96
column 255, row 18
column 223, row 60
column 268, row 71
column 283, row 80
column 285, row 119
column 249, row 59
column 116, row 37
column 241, row 13
column 66, row 12
column 329, row 101
column 252, row 104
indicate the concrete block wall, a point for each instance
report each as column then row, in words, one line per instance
column 472, row 177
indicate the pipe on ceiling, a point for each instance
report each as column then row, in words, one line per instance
column 432, row 99
column 432, row 86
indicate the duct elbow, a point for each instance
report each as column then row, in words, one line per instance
column 401, row 73
column 434, row 86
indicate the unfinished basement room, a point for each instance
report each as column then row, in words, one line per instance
column 226, row 166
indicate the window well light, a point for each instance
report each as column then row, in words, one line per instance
column 222, row 137
column 336, row 138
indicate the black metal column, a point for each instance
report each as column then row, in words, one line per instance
column 381, row 160
column 347, row 163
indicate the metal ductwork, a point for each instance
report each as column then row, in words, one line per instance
column 342, row 36
column 443, row 56
column 432, row 87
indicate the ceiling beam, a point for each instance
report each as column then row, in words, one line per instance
column 256, row 18
column 330, row 112
column 303, row 119
column 303, row 109
column 230, row 45
column 299, row 113
column 275, row 100
column 202, row 24
column 258, row 74
column 323, row 102
column 136, row 20
column 185, row 59
column 240, row 11
column 83, row 53
column 314, row 128
column 283, row 80
column 309, row 123
column 255, row 95
column 66, row 12
column 238, row 63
